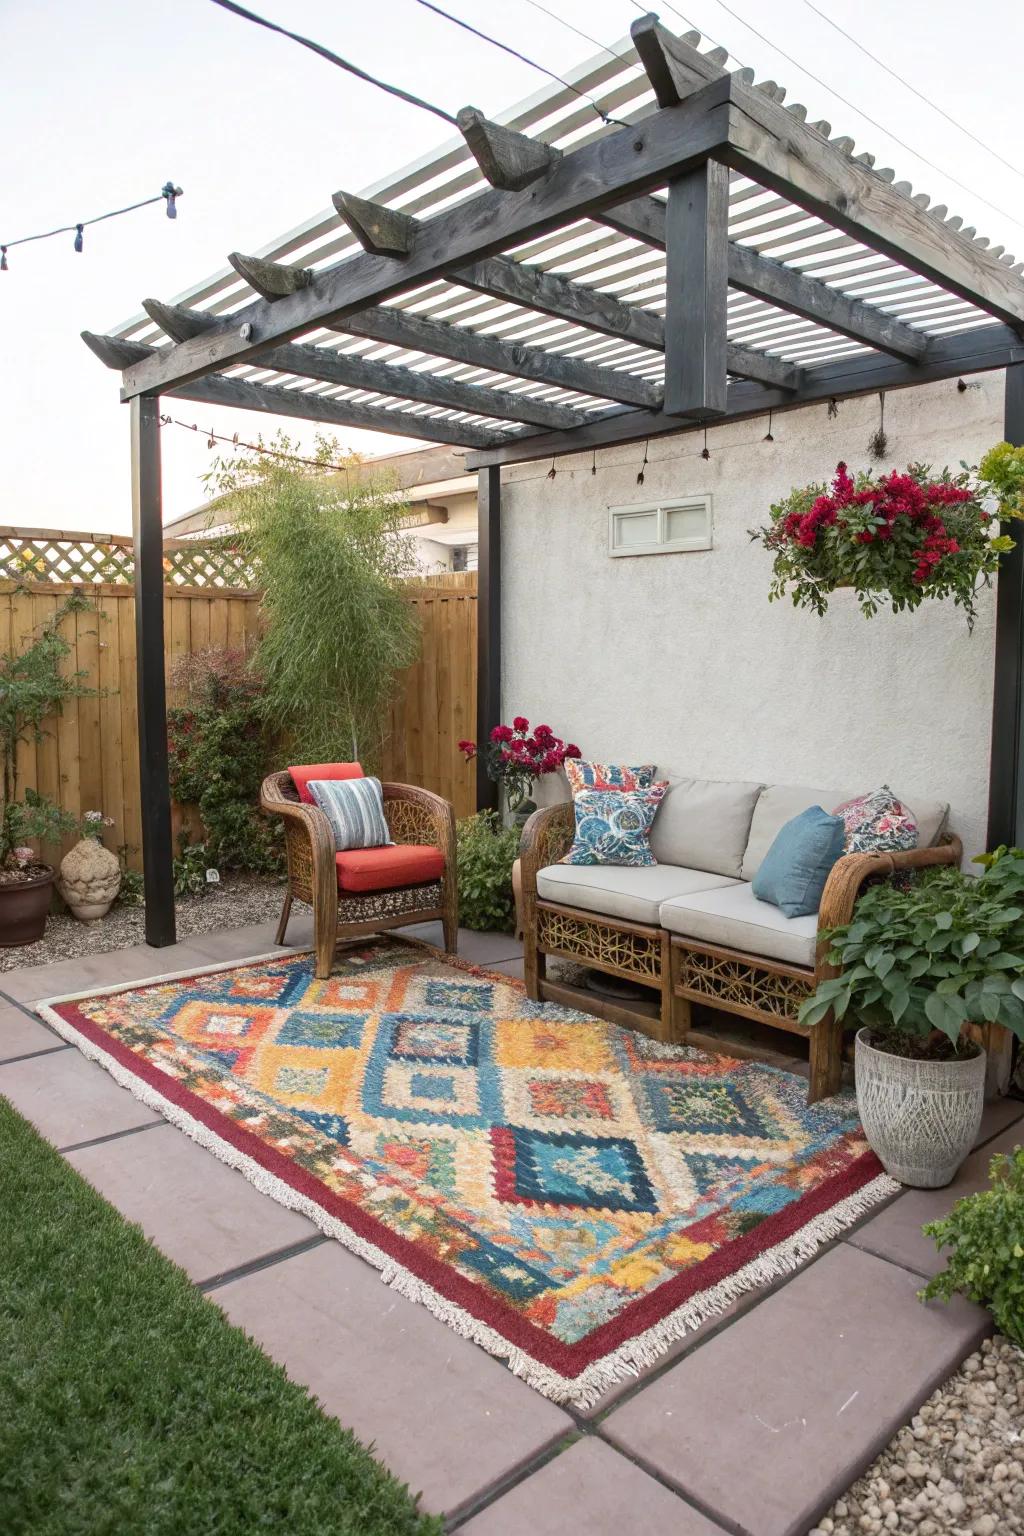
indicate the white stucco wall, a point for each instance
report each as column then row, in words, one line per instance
column 680, row 658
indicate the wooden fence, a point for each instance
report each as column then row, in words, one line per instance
column 89, row 756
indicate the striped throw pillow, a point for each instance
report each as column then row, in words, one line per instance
column 355, row 810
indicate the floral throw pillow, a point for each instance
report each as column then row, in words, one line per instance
column 877, row 823
column 583, row 775
column 613, row 826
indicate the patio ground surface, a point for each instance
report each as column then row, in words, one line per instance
column 753, row 1424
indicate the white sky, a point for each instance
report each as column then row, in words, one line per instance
column 102, row 100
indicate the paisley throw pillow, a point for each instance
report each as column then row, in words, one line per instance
column 613, row 826
column 877, row 823
column 583, row 775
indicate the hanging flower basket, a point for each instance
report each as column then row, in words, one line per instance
column 897, row 539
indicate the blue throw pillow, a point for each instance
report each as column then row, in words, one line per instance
column 794, row 870
column 355, row 810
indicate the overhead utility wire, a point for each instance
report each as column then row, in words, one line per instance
column 335, row 58
column 868, row 119
column 913, row 89
column 645, row 10
column 515, row 54
column 570, row 28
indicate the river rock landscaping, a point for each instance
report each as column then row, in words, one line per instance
column 957, row 1467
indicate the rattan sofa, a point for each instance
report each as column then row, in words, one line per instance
column 414, row 816
column 690, row 928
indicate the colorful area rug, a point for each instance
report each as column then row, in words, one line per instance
column 568, row 1194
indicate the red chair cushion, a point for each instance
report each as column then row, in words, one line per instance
column 378, row 869
column 302, row 776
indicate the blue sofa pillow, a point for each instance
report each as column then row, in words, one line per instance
column 794, row 870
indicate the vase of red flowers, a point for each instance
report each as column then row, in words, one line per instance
column 516, row 755
column 899, row 538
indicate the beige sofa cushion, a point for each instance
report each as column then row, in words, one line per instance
column 704, row 824
column 735, row 919
column 779, row 803
column 613, row 890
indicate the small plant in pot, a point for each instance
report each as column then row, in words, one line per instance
column 924, row 969
column 26, row 883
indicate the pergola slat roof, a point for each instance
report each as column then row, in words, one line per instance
column 512, row 294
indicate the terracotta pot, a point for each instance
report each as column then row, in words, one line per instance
column 921, row 1118
column 24, row 908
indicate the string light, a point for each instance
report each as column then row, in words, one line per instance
column 167, row 194
column 768, row 438
column 705, row 452
column 213, row 438
column 643, row 466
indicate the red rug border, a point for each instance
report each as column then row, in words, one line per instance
column 568, row 1360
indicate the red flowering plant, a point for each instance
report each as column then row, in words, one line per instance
column 516, row 755
column 901, row 538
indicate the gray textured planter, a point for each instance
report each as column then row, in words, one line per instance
column 921, row 1118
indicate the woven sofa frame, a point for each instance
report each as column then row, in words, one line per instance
column 413, row 816
column 684, row 971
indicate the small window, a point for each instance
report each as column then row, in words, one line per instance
column 660, row 528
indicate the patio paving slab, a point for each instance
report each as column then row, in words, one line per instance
column 443, row 1415
column 202, row 1214
column 106, row 970
column 477, row 948
column 895, row 1233
column 20, row 1035
column 590, row 1488
column 69, row 1099
column 767, row 1423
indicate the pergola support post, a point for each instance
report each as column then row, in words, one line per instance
column 697, row 293
column 488, row 626
column 147, row 529
column 1006, row 774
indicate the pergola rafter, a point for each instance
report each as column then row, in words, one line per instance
column 525, row 295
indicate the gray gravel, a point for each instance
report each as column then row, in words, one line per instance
column 238, row 900
column 957, row 1467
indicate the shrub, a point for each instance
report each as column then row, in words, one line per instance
column 485, row 853
column 190, row 867
column 218, row 755
column 986, row 1235
column 338, row 628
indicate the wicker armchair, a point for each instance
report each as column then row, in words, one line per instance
column 413, row 816
column 684, row 971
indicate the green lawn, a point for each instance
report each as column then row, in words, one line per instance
column 130, row 1407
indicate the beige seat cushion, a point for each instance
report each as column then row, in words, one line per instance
column 635, row 895
column 704, row 824
column 735, row 919
column 779, row 803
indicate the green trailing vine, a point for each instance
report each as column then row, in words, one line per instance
column 330, row 556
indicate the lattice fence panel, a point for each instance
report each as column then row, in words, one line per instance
column 51, row 557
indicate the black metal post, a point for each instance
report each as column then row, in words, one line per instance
column 488, row 625
column 147, row 528
column 1006, row 773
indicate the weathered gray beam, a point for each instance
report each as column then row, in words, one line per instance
column 979, row 351
column 697, row 293
column 241, row 394
column 507, row 158
column 643, row 218
column 331, row 367
column 607, row 170
column 417, row 333
column 272, row 279
column 381, row 230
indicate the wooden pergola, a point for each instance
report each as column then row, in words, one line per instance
column 704, row 255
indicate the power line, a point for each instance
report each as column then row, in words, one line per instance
column 568, row 25
column 913, row 89
column 335, row 58
column 645, row 11
column 868, row 119
column 515, row 54
column 168, row 193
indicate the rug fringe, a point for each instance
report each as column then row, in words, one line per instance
column 582, row 1391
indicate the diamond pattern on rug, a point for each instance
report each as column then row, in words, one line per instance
column 562, row 1169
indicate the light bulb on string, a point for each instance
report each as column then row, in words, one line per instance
column 78, row 238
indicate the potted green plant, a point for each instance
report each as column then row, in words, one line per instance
column 33, row 687
column 922, row 968
column 485, row 854
column 515, row 756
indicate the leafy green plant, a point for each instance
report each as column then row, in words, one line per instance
column 130, row 891
column 1002, row 474
column 35, row 685
column 337, row 627
column 986, row 1235
column 485, row 853
column 218, row 754
column 921, row 963
column 190, row 867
